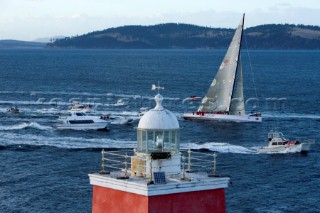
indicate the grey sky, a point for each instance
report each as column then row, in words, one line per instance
column 32, row 19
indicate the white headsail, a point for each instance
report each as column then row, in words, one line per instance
column 218, row 97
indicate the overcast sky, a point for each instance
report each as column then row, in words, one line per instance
column 32, row 19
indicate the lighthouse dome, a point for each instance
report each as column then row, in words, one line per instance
column 158, row 118
column 158, row 130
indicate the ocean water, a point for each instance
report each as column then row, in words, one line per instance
column 45, row 170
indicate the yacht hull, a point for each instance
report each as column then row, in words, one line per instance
column 222, row 117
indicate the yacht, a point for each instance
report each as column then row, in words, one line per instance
column 224, row 100
column 81, row 121
column 277, row 143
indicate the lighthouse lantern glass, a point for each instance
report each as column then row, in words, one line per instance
column 158, row 141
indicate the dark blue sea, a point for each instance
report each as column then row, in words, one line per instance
column 43, row 169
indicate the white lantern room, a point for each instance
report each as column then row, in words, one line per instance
column 158, row 142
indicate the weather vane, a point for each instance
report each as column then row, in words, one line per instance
column 154, row 87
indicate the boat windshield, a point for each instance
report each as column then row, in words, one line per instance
column 80, row 114
column 275, row 135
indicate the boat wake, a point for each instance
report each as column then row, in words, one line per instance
column 9, row 139
column 219, row 147
column 291, row 116
column 33, row 125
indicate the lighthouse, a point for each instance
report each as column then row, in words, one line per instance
column 155, row 178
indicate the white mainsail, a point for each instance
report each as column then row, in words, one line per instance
column 224, row 100
column 218, row 97
column 237, row 102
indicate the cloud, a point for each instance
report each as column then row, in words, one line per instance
column 281, row 6
column 281, row 15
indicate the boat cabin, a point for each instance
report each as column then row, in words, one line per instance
column 279, row 143
column 76, row 114
column 77, row 118
column 272, row 135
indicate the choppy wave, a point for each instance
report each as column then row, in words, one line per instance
column 39, row 102
column 121, row 95
column 55, row 111
column 33, row 93
column 33, row 110
column 63, row 104
column 33, row 125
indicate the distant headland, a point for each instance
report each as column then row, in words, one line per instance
column 186, row 36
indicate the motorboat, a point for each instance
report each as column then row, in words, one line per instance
column 121, row 102
column 142, row 111
column 13, row 110
column 76, row 107
column 277, row 144
column 116, row 119
column 81, row 121
column 224, row 100
column 192, row 98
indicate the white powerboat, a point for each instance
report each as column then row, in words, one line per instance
column 277, row 144
column 142, row 111
column 117, row 119
column 121, row 102
column 224, row 100
column 81, row 121
column 76, row 107
column 13, row 110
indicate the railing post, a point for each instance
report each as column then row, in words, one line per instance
column 189, row 160
column 125, row 165
column 214, row 163
column 102, row 163
column 183, row 168
column 150, row 171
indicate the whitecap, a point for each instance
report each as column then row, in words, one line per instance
column 24, row 125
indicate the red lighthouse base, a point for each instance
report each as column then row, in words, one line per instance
column 116, row 201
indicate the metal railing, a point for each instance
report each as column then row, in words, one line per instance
column 198, row 161
column 115, row 160
column 191, row 162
